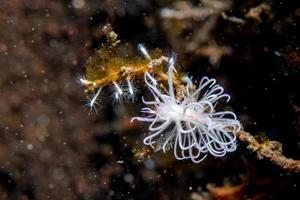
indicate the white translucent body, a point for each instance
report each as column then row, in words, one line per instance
column 191, row 126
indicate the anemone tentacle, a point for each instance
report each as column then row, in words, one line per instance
column 190, row 126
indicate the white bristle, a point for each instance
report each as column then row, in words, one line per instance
column 144, row 51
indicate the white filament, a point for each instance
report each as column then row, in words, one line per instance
column 144, row 51
column 118, row 89
column 92, row 102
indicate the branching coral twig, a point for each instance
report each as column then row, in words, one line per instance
column 271, row 150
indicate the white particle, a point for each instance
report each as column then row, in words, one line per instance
column 78, row 4
column 277, row 53
column 149, row 164
column 128, row 178
column 29, row 147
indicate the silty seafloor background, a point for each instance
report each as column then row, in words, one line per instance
column 51, row 149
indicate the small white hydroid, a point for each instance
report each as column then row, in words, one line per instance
column 93, row 101
column 144, row 51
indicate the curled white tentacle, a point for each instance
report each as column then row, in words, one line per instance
column 191, row 126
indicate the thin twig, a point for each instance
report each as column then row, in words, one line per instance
column 271, row 150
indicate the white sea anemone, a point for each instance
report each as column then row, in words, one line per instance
column 190, row 126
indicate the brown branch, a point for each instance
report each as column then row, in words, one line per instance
column 184, row 10
column 257, row 12
column 271, row 150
